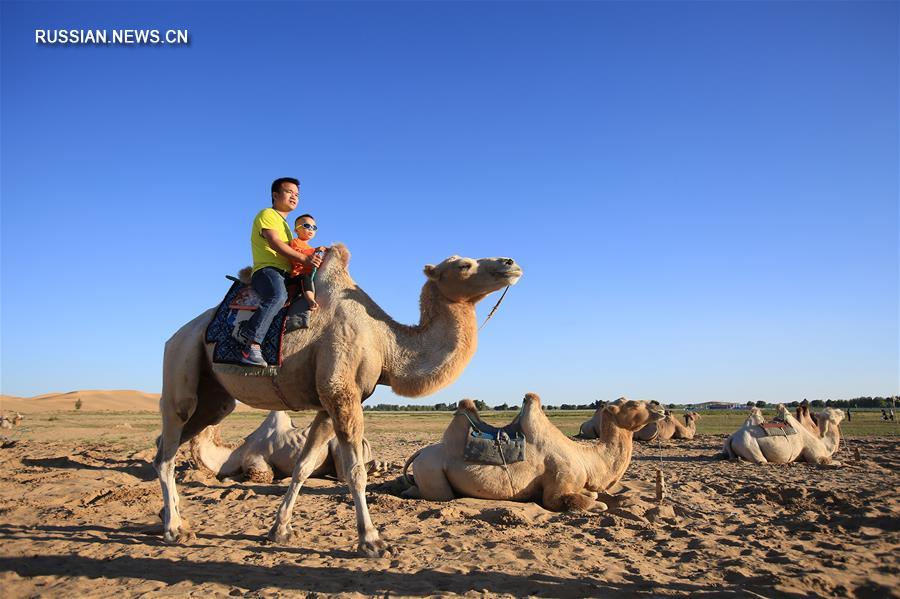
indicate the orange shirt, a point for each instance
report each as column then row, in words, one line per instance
column 304, row 248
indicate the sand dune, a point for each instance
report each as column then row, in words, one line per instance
column 91, row 401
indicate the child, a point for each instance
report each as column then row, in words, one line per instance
column 305, row 227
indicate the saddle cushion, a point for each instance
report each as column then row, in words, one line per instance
column 238, row 305
column 486, row 444
column 777, row 429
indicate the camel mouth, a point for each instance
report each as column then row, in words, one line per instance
column 511, row 274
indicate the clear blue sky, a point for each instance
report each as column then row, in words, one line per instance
column 703, row 195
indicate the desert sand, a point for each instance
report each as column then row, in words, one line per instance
column 79, row 502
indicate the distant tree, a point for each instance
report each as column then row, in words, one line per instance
column 794, row 404
column 78, row 404
column 750, row 404
column 760, row 404
column 481, row 406
column 440, row 407
column 817, row 403
column 502, row 407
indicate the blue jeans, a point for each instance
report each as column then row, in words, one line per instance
column 268, row 283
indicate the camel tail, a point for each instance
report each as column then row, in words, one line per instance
column 211, row 455
column 408, row 478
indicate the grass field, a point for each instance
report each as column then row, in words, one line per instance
column 121, row 427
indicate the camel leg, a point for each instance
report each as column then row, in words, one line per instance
column 190, row 401
column 320, row 432
column 348, row 426
column 557, row 501
column 175, row 530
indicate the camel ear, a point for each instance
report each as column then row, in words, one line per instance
column 612, row 408
column 430, row 271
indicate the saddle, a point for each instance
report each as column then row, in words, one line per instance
column 777, row 429
column 486, row 444
column 236, row 307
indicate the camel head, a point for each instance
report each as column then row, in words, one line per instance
column 756, row 416
column 633, row 414
column 831, row 415
column 468, row 280
column 690, row 417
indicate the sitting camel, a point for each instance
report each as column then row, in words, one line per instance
column 560, row 473
column 752, row 443
column 669, row 428
column 7, row 422
column 268, row 452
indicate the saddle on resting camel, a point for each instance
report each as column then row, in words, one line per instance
column 486, row 444
column 777, row 428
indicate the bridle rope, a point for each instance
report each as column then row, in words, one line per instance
column 494, row 309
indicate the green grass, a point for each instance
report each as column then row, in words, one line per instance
column 145, row 425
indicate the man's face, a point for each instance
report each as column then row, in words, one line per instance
column 286, row 199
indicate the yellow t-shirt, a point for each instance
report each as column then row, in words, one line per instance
column 263, row 255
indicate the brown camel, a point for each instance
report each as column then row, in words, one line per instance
column 669, row 428
column 352, row 345
column 560, row 473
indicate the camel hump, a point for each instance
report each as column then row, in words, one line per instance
column 340, row 251
column 531, row 398
column 467, row 405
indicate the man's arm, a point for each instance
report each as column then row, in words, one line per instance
column 271, row 237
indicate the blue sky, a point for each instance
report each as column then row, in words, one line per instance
column 703, row 195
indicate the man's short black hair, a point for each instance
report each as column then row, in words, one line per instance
column 276, row 184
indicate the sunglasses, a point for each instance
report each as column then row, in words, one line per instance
column 309, row 227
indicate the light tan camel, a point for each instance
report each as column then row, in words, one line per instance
column 560, row 473
column 352, row 345
column 268, row 452
column 669, row 428
column 751, row 443
column 7, row 422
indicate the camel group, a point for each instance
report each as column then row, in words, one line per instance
column 10, row 422
column 351, row 347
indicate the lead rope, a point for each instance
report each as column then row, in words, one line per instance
column 494, row 309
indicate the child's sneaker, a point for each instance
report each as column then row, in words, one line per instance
column 252, row 356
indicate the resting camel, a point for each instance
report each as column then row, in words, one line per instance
column 7, row 422
column 669, row 428
column 351, row 346
column 560, row 473
column 751, row 443
column 268, row 452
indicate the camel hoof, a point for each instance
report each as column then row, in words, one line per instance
column 599, row 506
column 182, row 536
column 377, row 548
column 282, row 536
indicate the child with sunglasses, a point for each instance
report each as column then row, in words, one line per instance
column 305, row 227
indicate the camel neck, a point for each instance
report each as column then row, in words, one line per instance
column 430, row 355
column 831, row 437
column 612, row 454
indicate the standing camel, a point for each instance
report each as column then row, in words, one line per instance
column 351, row 346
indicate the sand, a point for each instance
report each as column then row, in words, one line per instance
column 78, row 517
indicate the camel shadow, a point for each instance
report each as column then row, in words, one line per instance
column 296, row 577
column 141, row 470
column 151, row 535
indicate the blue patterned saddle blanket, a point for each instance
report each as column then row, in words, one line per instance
column 238, row 306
